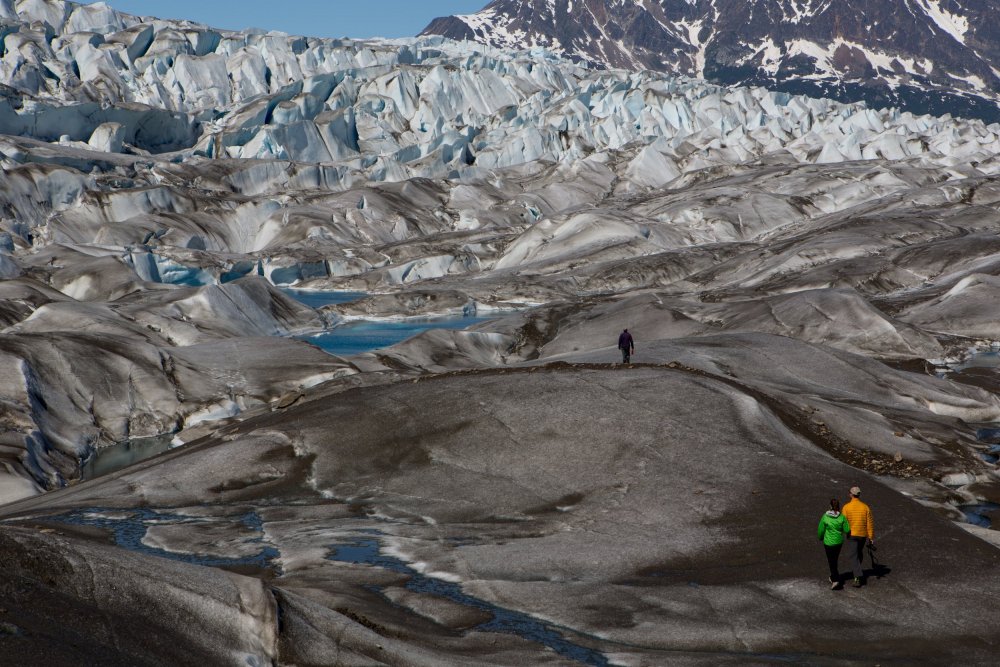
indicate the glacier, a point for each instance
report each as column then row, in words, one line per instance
column 795, row 271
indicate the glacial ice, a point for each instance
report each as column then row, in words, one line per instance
column 786, row 265
column 442, row 112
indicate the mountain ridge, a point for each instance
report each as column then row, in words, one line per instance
column 925, row 56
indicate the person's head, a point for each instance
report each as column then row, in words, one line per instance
column 834, row 504
column 855, row 492
column 624, row 330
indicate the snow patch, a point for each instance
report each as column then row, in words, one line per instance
column 955, row 25
column 976, row 82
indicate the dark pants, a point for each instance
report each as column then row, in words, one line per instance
column 857, row 552
column 626, row 355
column 832, row 556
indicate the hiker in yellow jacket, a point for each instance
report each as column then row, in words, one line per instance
column 859, row 516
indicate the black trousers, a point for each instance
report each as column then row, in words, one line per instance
column 832, row 556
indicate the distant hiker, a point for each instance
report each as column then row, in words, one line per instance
column 859, row 516
column 833, row 530
column 626, row 345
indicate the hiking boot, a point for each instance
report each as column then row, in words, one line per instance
column 834, row 584
column 857, row 582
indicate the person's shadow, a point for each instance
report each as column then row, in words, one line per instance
column 878, row 568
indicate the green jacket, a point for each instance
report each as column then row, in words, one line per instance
column 833, row 528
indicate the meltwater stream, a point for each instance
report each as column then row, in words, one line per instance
column 128, row 528
column 366, row 551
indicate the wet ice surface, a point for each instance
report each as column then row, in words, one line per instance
column 366, row 551
column 364, row 336
column 979, row 359
column 980, row 514
column 107, row 460
column 129, row 528
column 989, row 434
column 976, row 358
column 992, row 455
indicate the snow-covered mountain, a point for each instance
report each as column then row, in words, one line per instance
column 927, row 56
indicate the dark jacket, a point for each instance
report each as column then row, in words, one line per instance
column 625, row 341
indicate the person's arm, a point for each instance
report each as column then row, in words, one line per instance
column 871, row 527
column 846, row 527
column 822, row 528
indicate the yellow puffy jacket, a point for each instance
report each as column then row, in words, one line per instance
column 859, row 516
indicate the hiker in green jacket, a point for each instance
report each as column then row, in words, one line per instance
column 833, row 530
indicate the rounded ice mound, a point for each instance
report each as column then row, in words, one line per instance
column 108, row 138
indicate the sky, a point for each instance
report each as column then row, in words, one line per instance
column 312, row 18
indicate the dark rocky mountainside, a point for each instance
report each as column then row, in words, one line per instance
column 925, row 56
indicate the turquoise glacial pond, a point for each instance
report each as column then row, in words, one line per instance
column 368, row 335
column 123, row 454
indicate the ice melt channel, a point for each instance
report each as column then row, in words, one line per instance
column 366, row 551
